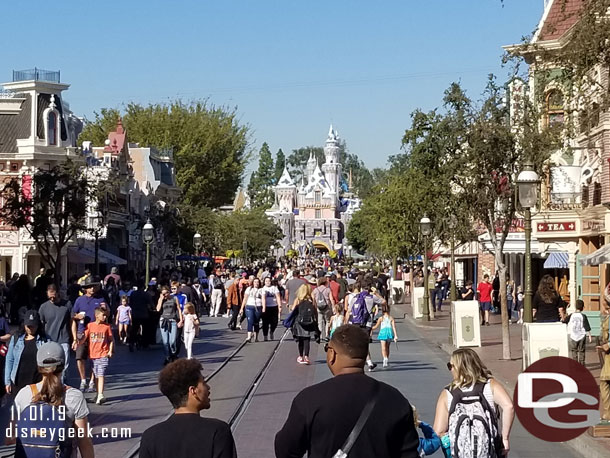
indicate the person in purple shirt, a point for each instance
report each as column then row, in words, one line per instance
column 83, row 313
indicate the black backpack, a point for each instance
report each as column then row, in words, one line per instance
column 217, row 283
column 307, row 316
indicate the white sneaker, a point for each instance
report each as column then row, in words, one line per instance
column 83, row 385
column 100, row 399
column 91, row 388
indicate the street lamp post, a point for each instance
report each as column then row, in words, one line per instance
column 425, row 226
column 197, row 243
column 527, row 183
column 452, row 289
column 148, row 236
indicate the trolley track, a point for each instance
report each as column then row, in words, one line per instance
column 244, row 401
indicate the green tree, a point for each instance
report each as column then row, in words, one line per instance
column 260, row 187
column 280, row 163
column 209, row 145
column 252, row 226
column 52, row 208
column 484, row 170
column 297, row 161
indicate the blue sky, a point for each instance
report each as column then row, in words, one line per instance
column 290, row 67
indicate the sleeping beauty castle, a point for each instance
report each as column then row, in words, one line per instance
column 313, row 216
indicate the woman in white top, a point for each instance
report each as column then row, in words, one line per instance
column 253, row 303
column 467, row 370
column 272, row 304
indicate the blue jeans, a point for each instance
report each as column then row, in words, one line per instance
column 169, row 333
column 253, row 314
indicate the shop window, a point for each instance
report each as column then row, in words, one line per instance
column 597, row 193
column 585, row 195
column 589, row 118
column 554, row 108
column 14, row 166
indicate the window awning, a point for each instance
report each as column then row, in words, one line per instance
column 601, row 256
column 557, row 261
column 86, row 255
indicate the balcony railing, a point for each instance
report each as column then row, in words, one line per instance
column 36, row 74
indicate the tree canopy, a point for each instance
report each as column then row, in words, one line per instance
column 210, row 146
column 52, row 207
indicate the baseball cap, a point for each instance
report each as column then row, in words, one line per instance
column 31, row 318
column 50, row 354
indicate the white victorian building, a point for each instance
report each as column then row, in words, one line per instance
column 37, row 131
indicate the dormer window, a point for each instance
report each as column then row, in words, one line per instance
column 50, row 118
column 318, row 197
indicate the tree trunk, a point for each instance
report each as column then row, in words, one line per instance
column 503, row 306
column 57, row 278
column 394, row 266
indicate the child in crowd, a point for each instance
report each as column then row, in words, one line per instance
column 336, row 320
column 101, row 346
column 519, row 304
column 387, row 332
column 191, row 328
column 578, row 329
column 123, row 318
column 430, row 443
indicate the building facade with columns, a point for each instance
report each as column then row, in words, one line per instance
column 313, row 215
column 572, row 221
column 37, row 131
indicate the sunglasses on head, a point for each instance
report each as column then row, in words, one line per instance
column 449, row 366
column 326, row 347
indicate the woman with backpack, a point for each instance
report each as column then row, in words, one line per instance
column 254, row 308
column 58, row 406
column 305, row 324
column 324, row 302
column 472, row 379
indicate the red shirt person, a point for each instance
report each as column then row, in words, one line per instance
column 484, row 290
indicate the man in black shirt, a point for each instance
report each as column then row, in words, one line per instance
column 186, row 434
column 323, row 415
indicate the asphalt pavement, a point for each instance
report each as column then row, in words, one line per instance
column 417, row 369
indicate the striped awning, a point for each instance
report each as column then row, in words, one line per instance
column 557, row 261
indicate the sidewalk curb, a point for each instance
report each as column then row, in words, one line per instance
column 584, row 445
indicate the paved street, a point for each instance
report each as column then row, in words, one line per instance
column 417, row 369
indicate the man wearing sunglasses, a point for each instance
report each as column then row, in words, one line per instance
column 322, row 416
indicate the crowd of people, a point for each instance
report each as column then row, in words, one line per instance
column 339, row 307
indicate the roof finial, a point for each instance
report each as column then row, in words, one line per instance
column 52, row 105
